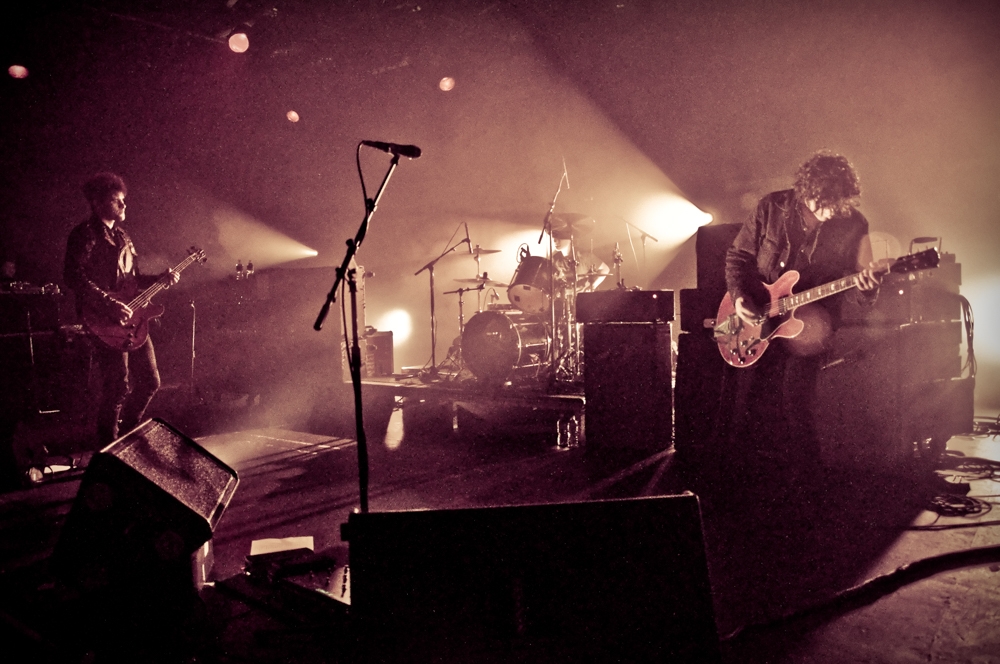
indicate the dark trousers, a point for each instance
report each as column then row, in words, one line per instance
column 766, row 409
column 128, row 383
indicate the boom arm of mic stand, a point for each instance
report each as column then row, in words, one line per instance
column 353, row 245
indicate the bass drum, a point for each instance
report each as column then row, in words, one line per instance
column 529, row 289
column 500, row 346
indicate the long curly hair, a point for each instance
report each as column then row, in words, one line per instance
column 830, row 180
column 101, row 185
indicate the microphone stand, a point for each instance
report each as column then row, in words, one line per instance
column 644, row 235
column 432, row 372
column 355, row 360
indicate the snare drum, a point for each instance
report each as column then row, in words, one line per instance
column 498, row 346
column 529, row 289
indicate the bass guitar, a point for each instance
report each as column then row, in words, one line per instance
column 129, row 334
column 742, row 344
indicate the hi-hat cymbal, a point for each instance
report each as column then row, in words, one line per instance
column 571, row 224
column 483, row 280
column 479, row 251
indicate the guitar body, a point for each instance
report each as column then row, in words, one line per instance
column 742, row 344
column 124, row 337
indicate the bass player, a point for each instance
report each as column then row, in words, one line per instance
column 101, row 262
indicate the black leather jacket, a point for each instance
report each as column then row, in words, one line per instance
column 100, row 261
column 772, row 241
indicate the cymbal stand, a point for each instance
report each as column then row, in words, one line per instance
column 461, row 292
column 619, row 284
column 547, row 228
column 432, row 371
column 565, row 338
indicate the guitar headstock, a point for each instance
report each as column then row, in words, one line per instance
column 198, row 254
column 921, row 260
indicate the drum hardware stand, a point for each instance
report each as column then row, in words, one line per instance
column 343, row 272
column 569, row 348
column 432, row 371
column 619, row 283
column 547, row 228
column 457, row 357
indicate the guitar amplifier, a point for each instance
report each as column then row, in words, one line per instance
column 921, row 296
column 376, row 356
column 625, row 306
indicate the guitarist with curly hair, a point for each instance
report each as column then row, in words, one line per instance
column 101, row 266
column 816, row 230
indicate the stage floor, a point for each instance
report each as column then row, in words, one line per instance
column 776, row 542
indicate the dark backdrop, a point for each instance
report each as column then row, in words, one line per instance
column 716, row 101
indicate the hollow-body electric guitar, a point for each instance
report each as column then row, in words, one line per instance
column 128, row 335
column 742, row 344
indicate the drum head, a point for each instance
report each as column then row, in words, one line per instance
column 494, row 346
column 529, row 289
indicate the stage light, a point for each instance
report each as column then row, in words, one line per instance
column 242, row 235
column 670, row 217
column 399, row 322
column 292, row 116
column 447, row 83
column 17, row 71
column 239, row 42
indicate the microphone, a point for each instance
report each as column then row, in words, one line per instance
column 468, row 242
column 408, row 151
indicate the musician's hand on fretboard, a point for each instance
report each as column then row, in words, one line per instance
column 170, row 277
column 869, row 279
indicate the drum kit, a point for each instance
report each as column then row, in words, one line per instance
column 535, row 335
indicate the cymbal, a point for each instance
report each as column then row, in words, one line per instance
column 479, row 251
column 570, row 224
column 485, row 281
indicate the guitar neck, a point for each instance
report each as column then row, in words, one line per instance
column 146, row 296
column 785, row 305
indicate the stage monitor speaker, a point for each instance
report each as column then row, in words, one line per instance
column 604, row 581
column 626, row 379
column 147, row 504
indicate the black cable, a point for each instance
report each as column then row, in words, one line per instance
column 955, row 526
column 969, row 321
column 953, row 505
column 870, row 591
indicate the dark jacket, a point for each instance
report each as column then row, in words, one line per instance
column 100, row 261
column 772, row 241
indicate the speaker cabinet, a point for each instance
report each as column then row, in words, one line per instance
column 697, row 392
column 147, row 503
column 890, row 395
column 604, row 581
column 626, row 378
column 710, row 246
